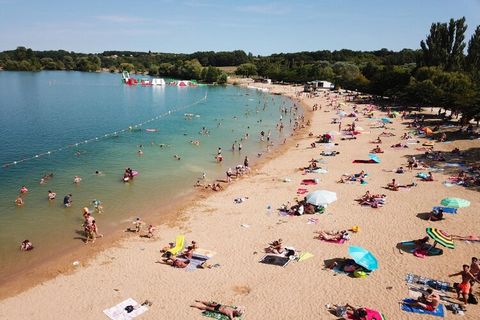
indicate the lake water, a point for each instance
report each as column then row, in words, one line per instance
column 73, row 124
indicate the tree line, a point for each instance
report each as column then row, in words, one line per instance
column 444, row 71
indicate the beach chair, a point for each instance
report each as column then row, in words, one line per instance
column 179, row 244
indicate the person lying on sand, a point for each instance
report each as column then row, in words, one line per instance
column 228, row 311
column 377, row 149
column 173, row 261
column 429, row 177
column 334, row 235
column 377, row 141
column 275, row 247
column 428, row 301
column 386, row 134
column 399, row 145
column 394, row 186
column 348, row 312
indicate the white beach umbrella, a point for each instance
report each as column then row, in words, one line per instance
column 321, row 197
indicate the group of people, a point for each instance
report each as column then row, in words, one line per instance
column 90, row 227
column 372, row 200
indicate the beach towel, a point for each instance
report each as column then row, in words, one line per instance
column 302, row 191
column 304, row 256
column 413, row 279
column 440, row 312
column 204, row 253
column 118, row 312
column 339, row 241
column 195, row 261
column 307, row 182
column 275, row 260
column 216, row 315
column 179, row 244
column 363, row 161
column 446, row 210
column 372, row 314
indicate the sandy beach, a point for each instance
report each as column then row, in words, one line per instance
column 238, row 233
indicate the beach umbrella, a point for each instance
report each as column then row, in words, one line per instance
column 441, row 237
column 363, row 257
column 321, row 197
column 455, row 203
column 374, row 157
column 386, row 120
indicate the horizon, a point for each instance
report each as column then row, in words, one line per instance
column 260, row 27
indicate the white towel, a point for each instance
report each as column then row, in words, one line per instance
column 118, row 312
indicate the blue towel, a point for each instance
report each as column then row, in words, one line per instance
column 446, row 209
column 195, row 262
column 440, row 312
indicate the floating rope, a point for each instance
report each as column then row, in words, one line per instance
column 114, row 133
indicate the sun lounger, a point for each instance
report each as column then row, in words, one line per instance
column 446, row 209
column 119, row 312
column 179, row 244
column 275, row 260
column 439, row 312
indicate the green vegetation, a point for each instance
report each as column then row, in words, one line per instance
column 440, row 73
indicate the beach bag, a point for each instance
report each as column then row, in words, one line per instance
column 341, row 311
column 472, row 299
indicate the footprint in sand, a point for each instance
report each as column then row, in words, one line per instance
column 242, row 289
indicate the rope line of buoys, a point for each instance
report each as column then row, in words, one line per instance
column 107, row 135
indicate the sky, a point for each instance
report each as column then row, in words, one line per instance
column 261, row 27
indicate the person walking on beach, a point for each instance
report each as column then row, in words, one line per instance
column 245, row 162
column 464, row 287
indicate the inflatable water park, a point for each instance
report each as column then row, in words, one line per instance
column 146, row 82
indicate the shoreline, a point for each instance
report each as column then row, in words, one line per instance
column 61, row 263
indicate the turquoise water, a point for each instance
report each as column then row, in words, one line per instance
column 55, row 111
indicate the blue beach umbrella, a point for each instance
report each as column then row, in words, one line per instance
column 363, row 257
column 374, row 157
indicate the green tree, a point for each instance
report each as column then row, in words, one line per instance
column 246, row 69
column 69, row 63
column 473, row 55
column 222, row 78
column 166, row 69
column 445, row 44
column 127, row 67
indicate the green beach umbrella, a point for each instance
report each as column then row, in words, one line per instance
column 455, row 202
column 441, row 237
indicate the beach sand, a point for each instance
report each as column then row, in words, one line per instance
column 238, row 233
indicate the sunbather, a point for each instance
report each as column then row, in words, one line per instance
column 349, row 312
column 429, row 301
column 333, row 235
column 175, row 262
column 377, row 149
column 429, row 177
column 386, row 134
column 230, row 312
column 275, row 247
column 394, row 186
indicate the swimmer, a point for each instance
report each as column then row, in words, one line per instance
column 26, row 245
column 23, row 190
column 19, row 201
column 140, row 152
column 97, row 204
column 175, row 156
column 77, row 179
column 51, row 195
column 67, row 200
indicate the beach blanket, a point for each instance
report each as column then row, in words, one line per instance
column 275, row 260
column 363, row 161
column 446, row 210
column 216, row 315
column 195, row 261
column 413, row 279
column 307, row 182
column 302, row 191
column 339, row 241
column 372, row 314
column 118, row 312
column 440, row 312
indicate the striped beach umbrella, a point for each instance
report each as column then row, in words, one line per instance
column 455, row 203
column 441, row 237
